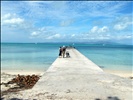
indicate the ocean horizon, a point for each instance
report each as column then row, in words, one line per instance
column 39, row 56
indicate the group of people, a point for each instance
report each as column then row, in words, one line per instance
column 62, row 52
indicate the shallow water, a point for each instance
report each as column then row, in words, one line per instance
column 16, row 56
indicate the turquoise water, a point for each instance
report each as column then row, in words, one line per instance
column 30, row 56
column 112, row 57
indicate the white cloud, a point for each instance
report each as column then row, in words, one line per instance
column 123, row 23
column 34, row 34
column 96, row 29
column 6, row 16
column 11, row 19
column 128, row 36
column 103, row 29
column 45, row 33
column 55, row 36
column 119, row 26
column 73, row 35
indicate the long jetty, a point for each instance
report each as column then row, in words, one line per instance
column 78, row 78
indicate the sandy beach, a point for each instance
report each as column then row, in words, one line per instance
column 23, row 72
column 7, row 75
column 126, row 74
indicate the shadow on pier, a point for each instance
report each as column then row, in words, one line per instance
column 109, row 98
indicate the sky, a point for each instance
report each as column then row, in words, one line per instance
column 66, row 21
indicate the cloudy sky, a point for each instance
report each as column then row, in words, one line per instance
column 66, row 21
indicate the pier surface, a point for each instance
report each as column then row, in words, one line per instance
column 78, row 78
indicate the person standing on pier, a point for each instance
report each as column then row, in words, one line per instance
column 60, row 51
column 64, row 50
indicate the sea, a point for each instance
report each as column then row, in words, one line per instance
column 40, row 56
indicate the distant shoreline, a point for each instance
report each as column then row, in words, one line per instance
column 91, row 43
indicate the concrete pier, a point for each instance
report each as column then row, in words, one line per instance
column 78, row 78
